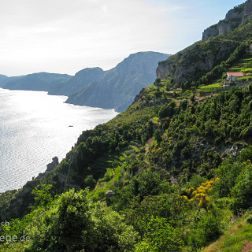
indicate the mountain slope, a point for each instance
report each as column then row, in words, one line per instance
column 119, row 86
column 3, row 79
column 170, row 173
column 80, row 81
column 36, row 81
column 148, row 163
column 115, row 88
column 234, row 18
column 205, row 55
column 237, row 238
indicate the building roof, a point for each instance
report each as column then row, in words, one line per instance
column 235, row 74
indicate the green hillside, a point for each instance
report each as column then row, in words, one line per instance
column 205, row 61
column 172, row 173
column 167, row 175
column 237, row 238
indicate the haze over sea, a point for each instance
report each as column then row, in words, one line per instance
column 34, row 127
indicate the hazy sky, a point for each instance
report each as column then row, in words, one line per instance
column 68, row 35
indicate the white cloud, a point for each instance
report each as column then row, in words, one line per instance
column 68, row 35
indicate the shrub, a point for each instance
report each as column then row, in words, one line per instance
column 89, row 181
column 160, row 236
column 207, row 228
column 249, row 220
column 242, row 191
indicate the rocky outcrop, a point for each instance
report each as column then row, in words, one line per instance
column 187, row 67
column 53, row 164
column 247, row 13
column 233, row 19
column 190, row 64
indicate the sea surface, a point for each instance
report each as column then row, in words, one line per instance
column 34, row 127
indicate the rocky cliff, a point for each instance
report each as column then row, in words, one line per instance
column 119, row 86
column 233, row 19
column 189, row 66
column 80, row 81
column 115, row 88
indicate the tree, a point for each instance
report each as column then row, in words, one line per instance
column 89, row 181
column 242, row 191
column 42, row 194
column 160, row 236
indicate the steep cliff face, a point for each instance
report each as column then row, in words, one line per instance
column 188, row 67
column 233, row 19
column 190, row 64
column 80, row 81
column 119, row 86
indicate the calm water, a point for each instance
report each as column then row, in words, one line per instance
column 34, row 127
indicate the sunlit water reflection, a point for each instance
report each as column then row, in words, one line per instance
column 34, row 127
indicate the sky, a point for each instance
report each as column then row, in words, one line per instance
column 66, row 36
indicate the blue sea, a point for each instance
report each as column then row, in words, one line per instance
column 34, row 127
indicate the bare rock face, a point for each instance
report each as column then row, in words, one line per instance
column 190, row 64
column 247, row 11
column 233, row 19
column 53, row 164
column 118, row 87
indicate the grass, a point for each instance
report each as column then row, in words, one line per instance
column 247, row 60
column 107, row 183
column 13, row 247
column 237, row 239
column 244, row 66
column 235, row 69
column 210, row 88
column 155, row 120
column 244, row 78
column 246, row 70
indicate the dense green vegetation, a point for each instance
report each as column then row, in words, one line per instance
column 237, row 238
column 178, row 166
column 172, row 173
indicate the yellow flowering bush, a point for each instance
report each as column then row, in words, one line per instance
column 201, row 193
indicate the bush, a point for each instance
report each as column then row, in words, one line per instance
column 79, row 225
column 89, row 181
column 167, row 110
column 160, row 236
column 206, row 229
column 242, row 191
column 227, row 174
column 249, row 220
column 246, row 154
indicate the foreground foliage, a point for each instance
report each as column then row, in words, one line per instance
column 172, row 173
column 175, row 182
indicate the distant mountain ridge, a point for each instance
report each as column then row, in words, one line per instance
column 115, row 88
column 3, row 78
column 37, row 81
column 119, row 86
column 81, row 80
column 176, row 164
